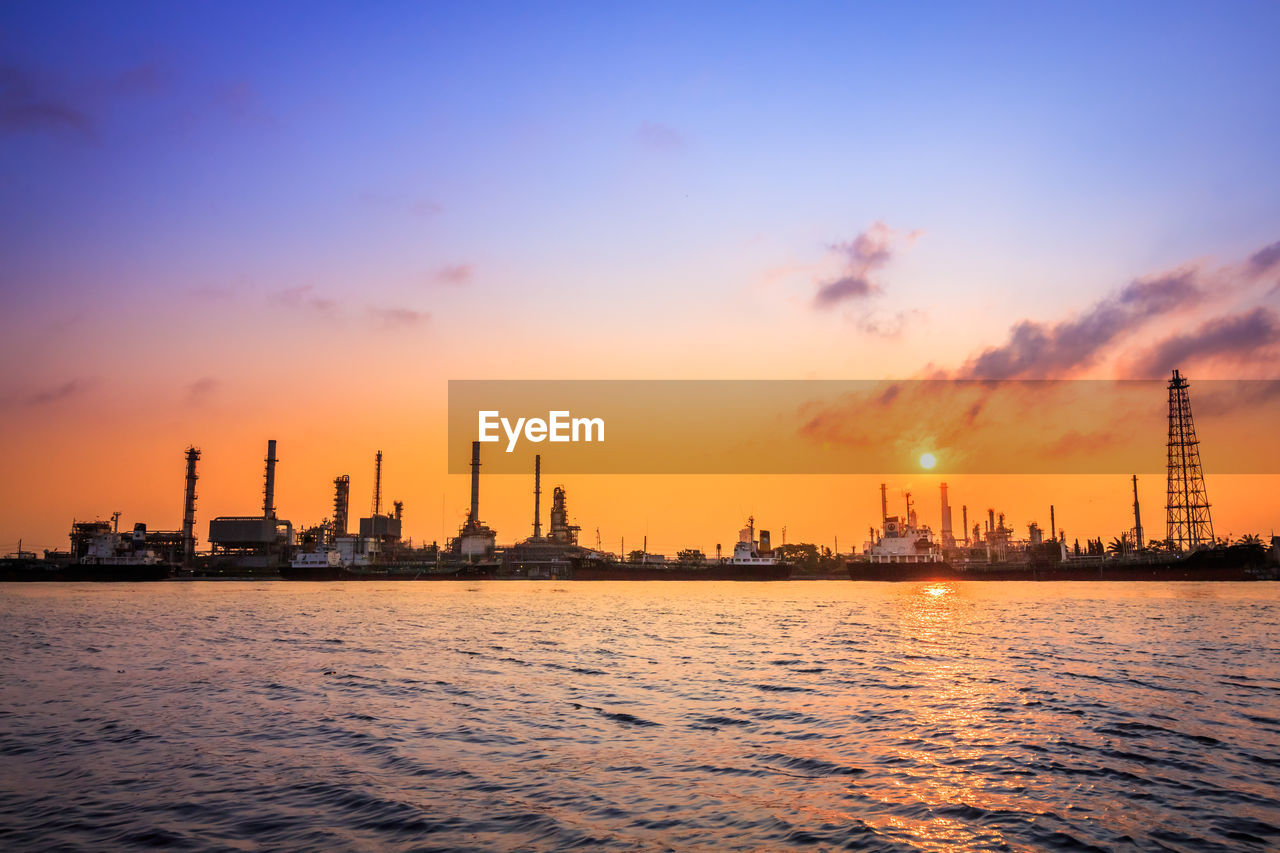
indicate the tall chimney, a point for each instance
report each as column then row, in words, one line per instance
column 377, row 484
column 948, row 539
column 189, row 510
column 269, row 490
column 475, row 483
column 964, row 512
column 884, row 505
column 1053, row 525
column 1137, row 516
column 537, row 496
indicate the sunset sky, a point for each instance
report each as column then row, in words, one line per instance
column 222, row 223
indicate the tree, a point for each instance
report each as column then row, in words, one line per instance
column 1120, row 545
column 1250, row 539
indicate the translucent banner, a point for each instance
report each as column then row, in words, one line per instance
column 862, row 426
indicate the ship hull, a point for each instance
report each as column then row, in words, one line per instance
column 35, row 571
column 387, row 573
column 1228, row 564
column 641, row 572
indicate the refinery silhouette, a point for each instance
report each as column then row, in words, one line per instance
column 900, row 548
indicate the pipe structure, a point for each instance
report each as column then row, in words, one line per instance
column 341, row 504
column 269, row 489
column 189, row 510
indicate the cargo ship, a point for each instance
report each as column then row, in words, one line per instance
column 99, row 552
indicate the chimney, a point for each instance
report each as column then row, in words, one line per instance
column 475, row 483
column 269, row 490
column 1053, row 525
column 189, row 510
column 884, row 505
column 537, row 496
column 948, row 539
column 1137, row 516
column 964, row 513
column 377, row 484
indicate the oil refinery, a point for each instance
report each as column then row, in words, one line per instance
column 901, row 547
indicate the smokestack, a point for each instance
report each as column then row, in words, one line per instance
column 948, row 539
column 269, row 490
column 377, row 484
column 189, row 510
column 1053, row 525
column 991, row 520
column 964, row 513
column 475, row 483
column 341, row 504
column 537, row 496
column 399, row 505
column 884, row 505
column 1137, row 516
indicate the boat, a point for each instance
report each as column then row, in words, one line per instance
column 752, row 560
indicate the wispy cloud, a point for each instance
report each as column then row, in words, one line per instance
column 27, row 106
column 414, row 206
column 659, row 137
column 1247, row 338
column 1266, row 259
column 862, row 256
column 1038, row 350
column 304, row 296
column 399, row 318
column 201, row 390
column 455, row 274
column 57, row 394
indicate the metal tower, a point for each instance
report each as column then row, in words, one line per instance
column 1189, row 524
column 341, row 504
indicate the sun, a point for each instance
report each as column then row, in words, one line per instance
column 928, row 461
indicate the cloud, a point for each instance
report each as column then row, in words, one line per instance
column 304, row 297
column 865, row 254
column 65, row 391
column 659, row 137
column 399, row 318
column 200, row 390
column 455, row 273
column 1243, row 338
column 418, row 208
column 241, row 102
column 1038, row 350
column 25, row 108
column 1263, row 260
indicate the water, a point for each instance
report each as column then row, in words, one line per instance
column 503, row 715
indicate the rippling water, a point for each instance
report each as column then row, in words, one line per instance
column 622, row 716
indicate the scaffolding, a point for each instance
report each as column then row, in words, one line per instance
column 1189, row 523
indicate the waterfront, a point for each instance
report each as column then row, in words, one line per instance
column 494, row 715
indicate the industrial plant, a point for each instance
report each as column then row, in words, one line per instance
column 900, row 548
